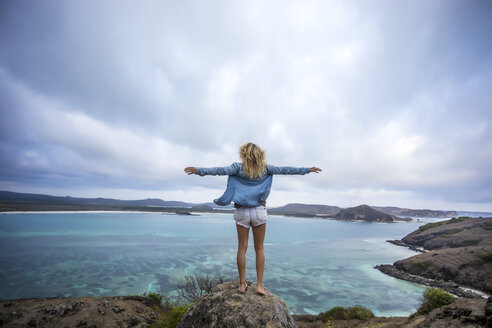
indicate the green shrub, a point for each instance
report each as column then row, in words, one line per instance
column 342, row 313
column 434, row 298
column 192, row 288
column 160, row 302
column 170, row 319
column 422, row 265
column 155, row 297
column 451, row 232
column 458, row 219
column 487, row 225
column 471, row 242
column 429, row 226
column 486, row 256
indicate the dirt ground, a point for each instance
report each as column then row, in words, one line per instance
column 93, row 312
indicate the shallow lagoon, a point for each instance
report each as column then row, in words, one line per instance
column 313, row 264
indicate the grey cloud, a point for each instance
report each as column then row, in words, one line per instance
column 385, row 94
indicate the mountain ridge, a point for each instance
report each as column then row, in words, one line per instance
column 21, row 200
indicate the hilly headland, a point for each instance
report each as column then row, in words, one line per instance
column 13, row 201
column 456, row 255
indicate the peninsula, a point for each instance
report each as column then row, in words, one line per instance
column 456, row 256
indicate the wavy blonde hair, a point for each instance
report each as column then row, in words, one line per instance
column 254, row 160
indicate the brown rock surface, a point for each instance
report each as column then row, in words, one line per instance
column 94, row 312
column 226, row 307
column 461, row 313
column 452, row 233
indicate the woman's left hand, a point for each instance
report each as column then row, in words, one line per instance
column 315, row 169
column 190, row 170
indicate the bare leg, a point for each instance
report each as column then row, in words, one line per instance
column 259, row 237
column 242, row 246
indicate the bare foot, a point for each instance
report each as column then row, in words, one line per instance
column 242, row 287
column 260, row 290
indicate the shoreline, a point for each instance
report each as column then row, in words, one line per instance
column 453, row 257
column 189, row 213
column 449, row 286
column 141, row 311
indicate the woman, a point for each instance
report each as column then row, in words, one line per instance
column 248, row 186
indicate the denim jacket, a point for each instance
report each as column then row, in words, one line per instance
column 243, row 190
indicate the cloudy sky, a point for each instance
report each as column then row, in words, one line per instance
column 392, row 99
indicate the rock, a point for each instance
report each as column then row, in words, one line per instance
column 488, row 312
column 86, row 312
column 460, row 313
column 226, row 307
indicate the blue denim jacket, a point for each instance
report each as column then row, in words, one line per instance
column 243, row 190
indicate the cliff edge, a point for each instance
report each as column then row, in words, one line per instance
column 456, row 251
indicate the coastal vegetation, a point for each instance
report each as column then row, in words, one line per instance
column 429, row 226
column 486, row 256
column 422, row 265
column 440, row 223
column 487, row 226
column 434, row 298
column 169, row 310
column 347, row 313
column 170, row 318
column 193, row 287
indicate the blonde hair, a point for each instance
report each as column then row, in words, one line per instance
column 254, row 161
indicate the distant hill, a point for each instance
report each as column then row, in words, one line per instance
column 202, row 207
column 365, row 213
column 415, row 213
column 15, row 201
column 296, row 209
column 40, row 198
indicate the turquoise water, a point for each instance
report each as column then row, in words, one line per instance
column 312, row 264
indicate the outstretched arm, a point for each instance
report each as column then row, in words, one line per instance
column 224, row 170
column 271, row 169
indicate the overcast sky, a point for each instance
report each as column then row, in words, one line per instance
column 392, row 99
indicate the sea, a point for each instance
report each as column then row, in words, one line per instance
column 313, row 264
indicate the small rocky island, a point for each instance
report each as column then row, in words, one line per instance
column 366, row 213
column 456, row 255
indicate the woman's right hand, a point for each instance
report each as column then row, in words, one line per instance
column 315, row 169
column 190, row 170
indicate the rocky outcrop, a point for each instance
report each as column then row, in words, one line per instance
column 449, row 286
column 461, row 313
column 226, row 307
column 365, row 213
column 94, row 312
column 459, row 252
column 457, row 232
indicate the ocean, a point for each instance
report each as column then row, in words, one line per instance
column 312, row 264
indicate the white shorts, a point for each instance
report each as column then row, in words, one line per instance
column 250, row 216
